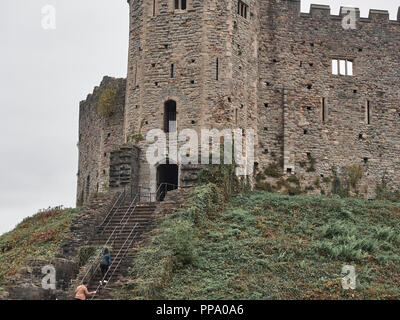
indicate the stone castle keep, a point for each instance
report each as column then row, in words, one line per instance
column 322, row 99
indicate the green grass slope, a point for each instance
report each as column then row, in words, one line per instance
column 270, row 246
column 38, row 236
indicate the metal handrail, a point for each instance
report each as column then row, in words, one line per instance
column 109, row 212
column 119, row 262
column 107, row 242
column 133, row 205
column 165, row 185
column 132, row 211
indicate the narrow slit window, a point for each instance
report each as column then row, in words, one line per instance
column 323, row 111
column 368, row 113
column 236, row 116
column 136, row 69
column 154, row 8
column 172, row 71
column 217, row 69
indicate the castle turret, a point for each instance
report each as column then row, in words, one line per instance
column 193, row 61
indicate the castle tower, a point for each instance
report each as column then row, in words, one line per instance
column 321, row 96
column 190, row 60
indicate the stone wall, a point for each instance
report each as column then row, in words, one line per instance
column 124, row 169
column 296, row 50
column 99, row 134
column 84, row 226
column 27, row 283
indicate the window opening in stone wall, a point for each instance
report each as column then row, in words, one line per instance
column 344, row 67
column 170, row 116
column 87, row 186
column 172, row 71
column 135, row 73
column 180, row 4
column 154, row 8
column 217, row 69
column 323, row 111
column 368, row 113
column 242, row 9
column 236, row 116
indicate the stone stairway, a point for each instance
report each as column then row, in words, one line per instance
column 128, row 226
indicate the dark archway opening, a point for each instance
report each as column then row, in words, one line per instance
column 167, row 179
column 169, row 116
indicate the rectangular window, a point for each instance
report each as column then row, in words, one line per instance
column 242, row 9
column 170, row 116
column 180, row 4
column 349, row 68
column 172, row 70
column 335, row 67
column 154, row 8
column 343, row 67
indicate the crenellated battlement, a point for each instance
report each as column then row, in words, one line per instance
column 318, row 10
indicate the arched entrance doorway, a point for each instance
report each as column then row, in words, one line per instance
column 167, row 179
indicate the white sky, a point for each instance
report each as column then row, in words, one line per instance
column 44, row 75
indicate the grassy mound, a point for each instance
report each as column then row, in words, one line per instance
column 38, row 236
column 271, row 246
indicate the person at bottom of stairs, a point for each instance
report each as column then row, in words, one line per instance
column 81, row 292
column 105, row 263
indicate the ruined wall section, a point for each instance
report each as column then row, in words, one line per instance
column 98, row 135
column 300, row 48
column 124, row 169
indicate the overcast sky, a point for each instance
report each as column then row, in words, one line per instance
column 44, row 75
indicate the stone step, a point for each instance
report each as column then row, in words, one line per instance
column 133, row 220
column 122, row 211
column 123, row 234
column 128, row 226
column 126, row 208
column 127, row 218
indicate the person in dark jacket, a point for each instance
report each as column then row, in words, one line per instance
column 105, row 263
